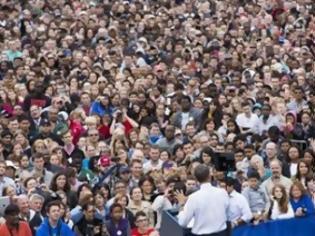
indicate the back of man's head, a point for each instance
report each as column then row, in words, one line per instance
column 230, row 182
column 202, row 173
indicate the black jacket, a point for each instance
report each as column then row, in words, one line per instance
column 77, row 156
column 34, row 220
column 86, row 228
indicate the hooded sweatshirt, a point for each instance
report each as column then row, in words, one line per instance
column 294, row 130
column 46, row 230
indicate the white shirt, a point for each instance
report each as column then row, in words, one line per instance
column 160, row 204
column 293, row 169
column 239, row 208
column 243, row 165
column 209, row 207
column 271, row 121
column 248, row 122
column 276, row 214
column 185, row 119
column 148, row 166
column 141, row 62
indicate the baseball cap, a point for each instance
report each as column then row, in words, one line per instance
column 168, row 165
column 257, row 106
column 44, row 122
column 104, row 161
column 124, row 169
column 5, row 114
column 9, row 163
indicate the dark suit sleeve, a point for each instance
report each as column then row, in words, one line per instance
column 176, row 120
column 286, row 170
column 72, row 199
column 27, row 104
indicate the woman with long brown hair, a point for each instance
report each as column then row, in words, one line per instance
column 304, row 171
column 280, row 206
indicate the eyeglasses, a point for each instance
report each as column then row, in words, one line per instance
column 142, row 220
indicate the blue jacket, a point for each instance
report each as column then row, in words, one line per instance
column 98, row 109
column 304, row 202
column 44, row 229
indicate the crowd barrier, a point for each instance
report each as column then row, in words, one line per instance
column 304, row 226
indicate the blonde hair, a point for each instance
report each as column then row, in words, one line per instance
column 90, row 119
column 255, row 158
column 38, row 142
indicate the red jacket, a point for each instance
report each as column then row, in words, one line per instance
column 23, row 230
column 135, row 232
column 76, row 131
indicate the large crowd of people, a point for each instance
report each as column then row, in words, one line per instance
column 107, row 108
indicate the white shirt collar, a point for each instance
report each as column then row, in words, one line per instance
column 232, row 194
column 205, row 185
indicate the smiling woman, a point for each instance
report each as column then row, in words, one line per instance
column 136, row 204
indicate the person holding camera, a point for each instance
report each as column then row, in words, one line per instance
column 301, row 203
column 89, row 225
column 166, row 201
